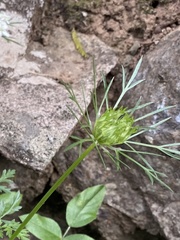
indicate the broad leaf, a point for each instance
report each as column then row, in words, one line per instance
column 9, row 203
column 78, row 237
column 83, row 208
column 43, row 228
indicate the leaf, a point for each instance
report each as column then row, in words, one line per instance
column 9, row 203
column 5, row 178
column 130, row 84
column 153, row 113
column 43, row 228
column 135, row 72
column 78, row 44
column 9, row 227
column 83, row 208
column 7, row 174
column 4, row 189
column 73, row 145
column 78, row 237
column 105, row 98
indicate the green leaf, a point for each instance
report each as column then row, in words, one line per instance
column 43, row 228
column 153, row 113
column 5, row 178
column 130, row 84
column 83, row 208
column 78, row 44
column 7, row 174
column 105, row 98
column 1, row 234
column 78, row 237
column 8, row 227
column 9, row 203
column 73, row 145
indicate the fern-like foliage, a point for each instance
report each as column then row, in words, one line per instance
column 9, row 203
column 5, row 178
column 8, row 227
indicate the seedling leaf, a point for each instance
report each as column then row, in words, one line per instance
column 83, row 208
column 9, row 203
column 43, row 228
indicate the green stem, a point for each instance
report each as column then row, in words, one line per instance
column 66, row 232
column 52, row 189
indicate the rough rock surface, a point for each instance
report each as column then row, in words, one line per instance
column 34, row 119
column 161, row 70
column 25, row 8
column 131, row 201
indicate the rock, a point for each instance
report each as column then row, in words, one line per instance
column 11, row 53
column 34, row 119
column 137, row 28
column 157, row 29
column 25, row 8
column 112, row 25
column 127, row 61
column 161, row 70
column 132, row 201
column 133, row 50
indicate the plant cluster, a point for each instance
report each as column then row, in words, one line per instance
column 81, row 210
column 9, row 204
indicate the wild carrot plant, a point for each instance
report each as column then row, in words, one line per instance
column 113, row 133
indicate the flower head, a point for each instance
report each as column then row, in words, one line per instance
column 114, row 127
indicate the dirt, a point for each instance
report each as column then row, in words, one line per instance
column 131, row 27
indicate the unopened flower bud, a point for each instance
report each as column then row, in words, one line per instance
column 114, row 127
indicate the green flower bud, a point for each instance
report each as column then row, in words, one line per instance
column 114, row 127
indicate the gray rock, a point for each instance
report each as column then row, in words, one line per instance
column 161, row 70
column 132, row 201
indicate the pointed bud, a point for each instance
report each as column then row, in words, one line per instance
column 114, row 127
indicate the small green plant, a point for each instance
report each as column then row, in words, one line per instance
column 9, row 203
column 112, row 130
column 81, row 210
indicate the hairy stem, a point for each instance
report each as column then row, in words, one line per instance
column 52, row 189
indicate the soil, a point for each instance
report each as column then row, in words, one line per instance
column 131, row 27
